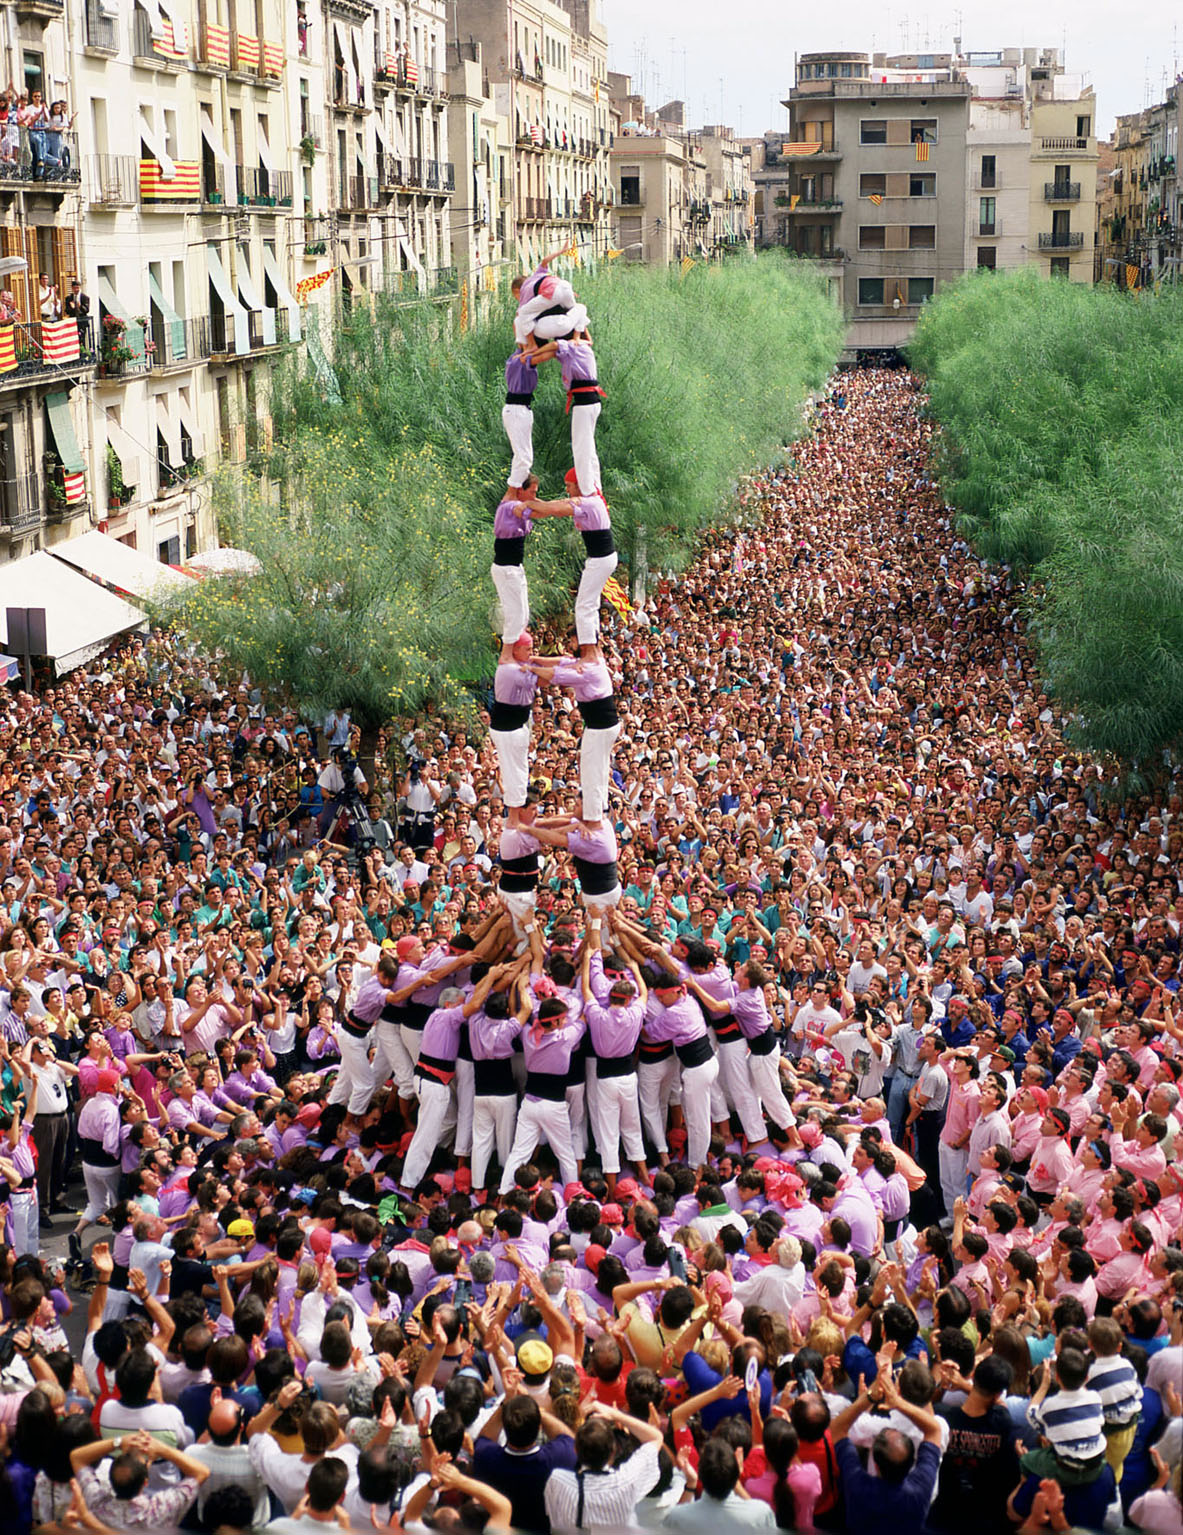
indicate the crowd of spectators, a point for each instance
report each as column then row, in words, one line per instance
column 943, row 1292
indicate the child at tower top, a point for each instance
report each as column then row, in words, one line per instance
column 548, row 309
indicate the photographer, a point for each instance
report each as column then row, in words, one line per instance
column 418, row 797
column 339, row 781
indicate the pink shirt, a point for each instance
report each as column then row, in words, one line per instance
column 1050, row 1165
column 962, row 1111
column 1025, row 1133
column 1148, row 1163
column 1126, row 1271
column 1102, row 1240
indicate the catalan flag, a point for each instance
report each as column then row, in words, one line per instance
column 273, row 59
column 612, row 255
column 618, row 597
column 308, row 285
column 410, row 68
column 74, row 485
column 248, row 53
column 217, row 45
column 535, row 134
column 687, row 263
column 182, row 187
column 7, row 348
column 876, row 198
column 794, row 199
column 464, row 306
column 922, row 149
column 173, row 42
column 490, row 279
column 59, row 340
column 1131, row 276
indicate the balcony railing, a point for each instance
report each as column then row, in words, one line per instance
column 101, row 31
column 31, row 362
column 217, row 334
column 439, row 176
column 176, row 341
column 42, row 158
column 261, row 188
column 1061, row 191
column 361, row 192
column 58, row 506
column 113, row 180
column 818, row 205
column 986, row 229
column 1072, row 240
column 21, row 502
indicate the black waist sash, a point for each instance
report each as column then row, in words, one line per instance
column 493, row 1079
column 763, row 1044
column 695, row 1053
column 520, row 399
column 509, row 551
column 597, row 543
column 505, row 717
column 355, row 1026
column 615, row 1065
column 599, row 713
column 596, row 878
column 544, row 1084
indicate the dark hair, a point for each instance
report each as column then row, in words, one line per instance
column 718, row 1468
column 521, row 1420
column 1072, row 1368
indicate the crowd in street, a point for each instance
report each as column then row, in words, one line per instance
column 820, row 1172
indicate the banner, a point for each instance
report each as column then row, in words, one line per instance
column 74, row 485
column 308, row 285
column 248, row 53
column 59, row 340
column 273, row 59
column 922, row 150
column 7, row 348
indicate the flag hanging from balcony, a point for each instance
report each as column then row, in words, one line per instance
column 410, row 68
column 921, row 150
column 794, row 199
column 183, row 187
column 876, row 198
column 535, row 134
column 618, row 597
column 217, row 45
column 59, row 340
column 308, row 285
column 1131, row 276
column 490, row 278
column 597, row 91
column 273, row 59
column 74, row 486
column 7, row 348
column 173, row 42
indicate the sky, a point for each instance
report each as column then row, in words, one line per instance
column 733, row 63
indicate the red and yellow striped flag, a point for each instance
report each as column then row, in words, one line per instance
column 876, row 198
column 59, row 340
column 7, row 348
column 794, row 199
column 922, row 149
column 463, row 306
column 308, row 285
column 1131, row 276
column 618, row 597
column 248, row 52
column 217, row 45
column 74, row 485
column 183, row 187
column 273, row 59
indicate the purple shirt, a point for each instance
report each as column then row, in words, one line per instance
column 491, row 1039
column 586, row 679
column 244, row 1089
column 857, row 1208
column 614, row 1030
column 100, row 1121
column 513, row 684
column 441, row 1033
column 680, row 1024
column 590, row 513
column 371, row 998
column 549, row 1051
column 511, row 519
column 593, row 846
column 518, row 842
column 521, row 377
column 751, row 1012
column 577, row 361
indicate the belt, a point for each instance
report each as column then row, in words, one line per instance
column 727, row 1028
column 41, row 1118
column 520, row 399
column 356, row 1027
column 615, row 1066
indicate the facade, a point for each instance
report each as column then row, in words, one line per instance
column 482, row 149
column 1139, row 224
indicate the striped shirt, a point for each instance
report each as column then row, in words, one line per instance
column 1115, row 1381
column 609, row 1498
column 1073, row 1423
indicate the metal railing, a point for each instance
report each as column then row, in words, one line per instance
column 113, row 180
column 176, row 342
column 261, row 188
column 1061, row 191
column 31, row 362
column 439, row 175
column 57, row 508
column 101, row 31
column 985, row 229
column 45, row 156
column 361, row 192
column 21, row 501
column 1073, row 240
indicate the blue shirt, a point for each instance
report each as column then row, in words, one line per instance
column 877, row 1507
column 700, row 1377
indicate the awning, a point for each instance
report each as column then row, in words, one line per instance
column 176, row 326
column 151, row 9
column 345, row 44
column 61, row 424
column 10, row 668
column 127, row 450
column 265, row 155
column 168, row 166
column 81, row 618
column 180, row 27
column 409, row 253
column 133, row 334
column 282, row 292
column 247, row 291
column 225, row 291
column 213, row 138
column 168, row 427
column 115, row 564
column 191, row 425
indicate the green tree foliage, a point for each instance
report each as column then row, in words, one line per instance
column 373, row 518
column 1062, row 446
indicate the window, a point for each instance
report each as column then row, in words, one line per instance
column 630, row 191
column 872, row 131
column 919, row 289
column 34, row 70
column 1060, row 266
column 987, row 257
column 870, row 290
column 870, row 237
column 922, row 186
column 986, row 207
column 1084, row 127
column 922, row 237
column 1062, row 227
column 872, row 186
column 924, row 130
column 989, row 171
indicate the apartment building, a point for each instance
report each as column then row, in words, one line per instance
column 547, row 63
column 481, row 147
column 1139, row 226
column 730, row 188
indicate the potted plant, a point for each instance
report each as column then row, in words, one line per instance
column 118, row 494
column 114, row 351
column 308, row 149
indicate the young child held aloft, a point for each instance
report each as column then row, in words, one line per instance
column 547, row 306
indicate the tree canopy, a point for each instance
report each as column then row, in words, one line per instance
column 373, row 517
column 1062, row 447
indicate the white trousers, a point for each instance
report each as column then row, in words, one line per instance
column 583, row 447
column 412, row 1043
column 577, row 1114
column 657, row 1086
column 510, row 581
column 355, row 1079
column 697, row 1082
column 616, row 1118
column 540, row 1119
column 437, row 1120
column 24, row 1215
column 953, row 1165
column 592, row 582
column 391, row 1059
column 464, row 1094
column 493, row 1121
column 520, row 906
column 102, row 1189
column 611, row 897
column 595, row 766
column 766, row 1083
column 737, row 1079
column 518, row 421
column 513, row 762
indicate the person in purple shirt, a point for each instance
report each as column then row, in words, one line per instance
column 512, row 525
column 593, row 847
column 614, row 1025
column 492, row 1032
column 591, row 682
column 591, row 519
column 578, row 362
column 248, row 1081
column 514, row 687
column 517, row 416
column 518, row 855
column 548, row 1045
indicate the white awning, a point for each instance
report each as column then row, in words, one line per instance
column 155, row 145
column 264, row 147
column 225, row 291
column 345, row 43
column 151, row 9
column 172, row 10
column 282, row 292
column 115, row 564
column 407, row 248
column 247, row 291
column 211, row 135
column 191, row 424
column 127, row 450
column 169, row 427
column 81, row 617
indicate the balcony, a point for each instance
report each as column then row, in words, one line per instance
column 112, row 180
column 213, row 53
column 65, row 495
column 39, row 351
column 817, row 205
column 216, row 335
column 102, row 32
column 1061, row 191
column 342, row 100
column 314, row 235
column 1065, row 145
column 360, row 192
column 176, row 344
column 44, row 161
column 244, row 54
column 1071, row 240
column 182, row 188
column 262, row 189
column 445, row 279
column 21, row 503
column 39, row 10
column 154, row 52
column 987, row 229
column 439, row 176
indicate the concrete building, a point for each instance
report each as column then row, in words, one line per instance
column 481, row 147
column 1139, row 224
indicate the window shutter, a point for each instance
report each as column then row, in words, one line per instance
column 32, row 312
column 899, row 130
column 65, row 259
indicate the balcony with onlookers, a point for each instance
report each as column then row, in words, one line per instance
column 40, row 160
column 37, row 351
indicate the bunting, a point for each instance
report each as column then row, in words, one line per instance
column 1131, row 276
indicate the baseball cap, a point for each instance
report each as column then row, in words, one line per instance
column 240, row 1228
column 1005, row 1051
